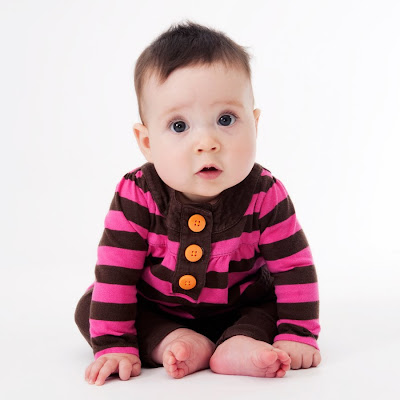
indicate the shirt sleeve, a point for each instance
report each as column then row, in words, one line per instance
column 284, row 246
column 120, row 259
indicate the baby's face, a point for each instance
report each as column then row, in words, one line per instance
column 200, row 116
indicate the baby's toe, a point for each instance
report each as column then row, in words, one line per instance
column 180, row 350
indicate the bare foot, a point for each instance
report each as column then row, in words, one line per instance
column 242, row 355
column 183, row 352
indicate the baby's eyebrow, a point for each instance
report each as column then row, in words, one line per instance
column 229, row 102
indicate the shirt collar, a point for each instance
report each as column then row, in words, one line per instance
column 230, row 207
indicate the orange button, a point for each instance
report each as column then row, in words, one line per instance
column 197, row 223
column 187, row 282
column 193, row 253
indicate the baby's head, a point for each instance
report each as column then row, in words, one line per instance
column 196, row 105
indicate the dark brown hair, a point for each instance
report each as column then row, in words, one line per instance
column 187, row 44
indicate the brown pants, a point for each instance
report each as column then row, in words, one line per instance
column 257, row 321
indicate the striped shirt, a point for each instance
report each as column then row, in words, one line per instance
column 252, row 243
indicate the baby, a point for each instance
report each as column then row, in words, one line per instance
column 202, row 263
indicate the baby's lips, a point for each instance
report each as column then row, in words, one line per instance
column 209, row 166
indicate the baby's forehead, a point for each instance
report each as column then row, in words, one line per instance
column 154, row 76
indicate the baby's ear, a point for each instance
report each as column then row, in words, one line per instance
column 143, row 140
column 256, row 114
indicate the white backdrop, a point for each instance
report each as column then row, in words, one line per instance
column 326, row 78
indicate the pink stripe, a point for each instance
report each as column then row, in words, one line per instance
column 117, row 294
column 159, row 245
column 280, row 231
column 300, row 339
column 156, row 239
column 300, row 293
column 232, row 245
column 169, row 260
column 243, row 287
column 219, row 264
column 264, row 172
column 214, row 296
column 252, row 206
column 129, row 190
column 267, row 201
column 127, row 350
column 312, row 324
column 116, row 221
column 115, row 256
column 251, row 209
column 116, row 328
column 138, row 174
column 303, row 258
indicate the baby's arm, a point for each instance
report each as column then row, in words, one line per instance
column 289, row 260
column 121, row 256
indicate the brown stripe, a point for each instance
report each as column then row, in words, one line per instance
column 282, row 211
column 117, row 275
column 265, row 183
column 295, row 330
column 123, row 240
column 296, row 276
column 158, row 227
column 112, row 312
column 216, row 280
column 242, row 265
column 233, row 295
column 100, row 343
column 154, row 295
column 161, row 272
column 284, row 248
column 136, row 215
column 300, row 311
column 133, row 211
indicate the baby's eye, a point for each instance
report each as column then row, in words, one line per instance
column 226, row 119
column 178, row 126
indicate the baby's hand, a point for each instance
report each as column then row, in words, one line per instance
column 126, row 364
column 302, row 355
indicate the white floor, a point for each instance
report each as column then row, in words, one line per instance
column 44, row 356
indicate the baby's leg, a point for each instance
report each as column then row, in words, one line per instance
column 242, row 355
column 183, row 352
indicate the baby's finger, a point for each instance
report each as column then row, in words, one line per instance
column 280, row 373
column 283, row 356
column 316, row 359
column 87, row 372
column 95, row 368
column 296, row 361
column 285, row 367
column 125, row 369
column 108, row 368
column 136, row 368
column 307, row 360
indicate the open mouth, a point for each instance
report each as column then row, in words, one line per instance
column 209, row 172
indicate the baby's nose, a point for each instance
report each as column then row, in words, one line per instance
column 207, row 142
